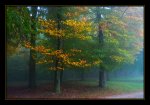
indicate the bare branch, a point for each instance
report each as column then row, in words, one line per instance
column 124, row 12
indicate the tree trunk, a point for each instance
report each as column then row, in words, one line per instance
column 61, row 76
column 57, row 78
column 62, row 65
column 57, row 72
column 57, row 82
column 102, row 73
column 102, row 78
column 32, row 72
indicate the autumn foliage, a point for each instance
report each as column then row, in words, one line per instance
column 71, row 29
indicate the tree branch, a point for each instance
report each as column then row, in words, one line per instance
column 124, row 12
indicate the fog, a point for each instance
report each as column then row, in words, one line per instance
column 131, row 71
column 17, row 71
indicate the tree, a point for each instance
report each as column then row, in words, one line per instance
column 59, row 30
column 114, row 31
column 32, row 70
column 22, row 30
column 17, row 31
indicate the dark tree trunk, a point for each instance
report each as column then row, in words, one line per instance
column 32, row 70
column 61, row 76
column 102, row 78
column 62, row 64
column 102, row 73
column 57, row 76
column 57, row 72
column 57, row 82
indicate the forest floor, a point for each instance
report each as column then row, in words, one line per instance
column 76, row 90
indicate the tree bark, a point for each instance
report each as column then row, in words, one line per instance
column 32, row 70
column 102, row 78
column 61, row 76
column 57, row 82
column 102, row 73
column 57, row 72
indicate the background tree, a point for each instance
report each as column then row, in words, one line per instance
column 17, row 31
column 116, row 44
column 23, row 29
column 32, row 69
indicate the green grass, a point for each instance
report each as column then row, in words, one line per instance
column 112, row 88
column 129, row 78
column 125, row 86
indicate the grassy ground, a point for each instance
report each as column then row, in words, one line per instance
column 125, row 86
column 135, row 78
column 76, row 89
